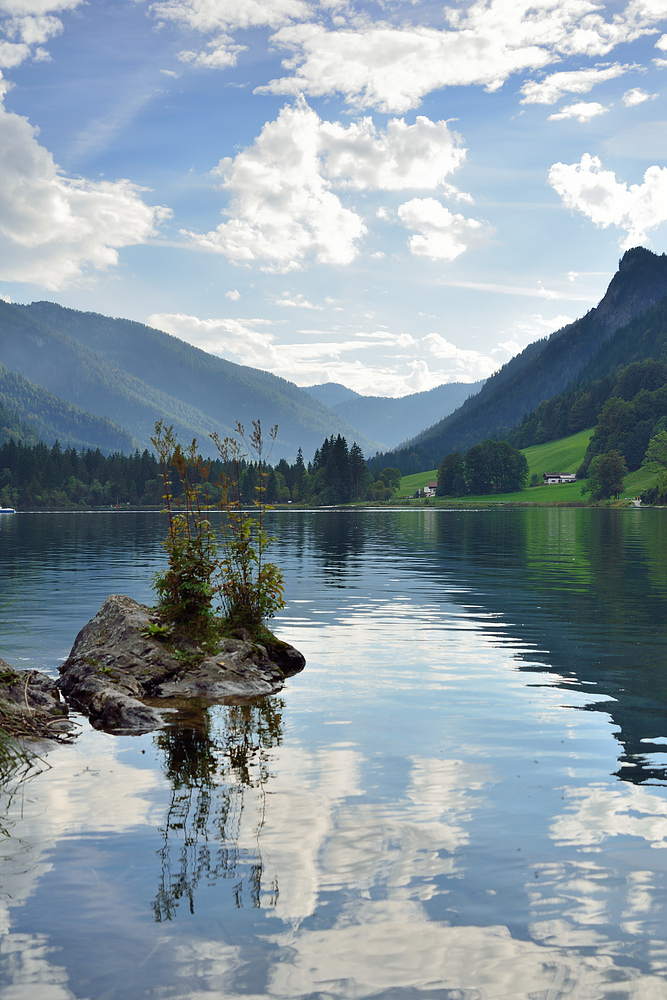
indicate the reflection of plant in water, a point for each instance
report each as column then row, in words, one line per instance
column 212, row 766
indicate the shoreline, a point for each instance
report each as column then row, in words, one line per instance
column 406, row 503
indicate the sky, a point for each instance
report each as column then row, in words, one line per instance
column 384, row 193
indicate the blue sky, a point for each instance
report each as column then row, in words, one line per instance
column 386, row 194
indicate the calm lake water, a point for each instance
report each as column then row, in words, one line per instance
column 462, row 797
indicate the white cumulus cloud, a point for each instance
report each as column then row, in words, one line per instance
column 440, row 234
column 13, row 54
column 220, row 17
column 473, row 364
column 27, row 25
column 379, row 363
column 34, row 30
column 597, row 194
column 298, row 301
column 631, row 98
column 53, row 227
column 36, row 8
column 220, row 53
column 229, row 15
column 226, row 337
column 583, row 111
column 392, row 68
column 392, row 159
column 284, row 209
column 579, row 81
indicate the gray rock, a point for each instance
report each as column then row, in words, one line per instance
column 129, row 680
column 31, row 702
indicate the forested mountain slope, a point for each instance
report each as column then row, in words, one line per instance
column 622, row 392
column 65, row 367
column 543, row 369
column 13, row 428
column 330, row 393
column 30, row 413
column 194, row 388
column 134, row 375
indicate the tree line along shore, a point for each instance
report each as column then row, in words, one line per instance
column 39, row 477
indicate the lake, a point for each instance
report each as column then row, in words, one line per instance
column 462, row 797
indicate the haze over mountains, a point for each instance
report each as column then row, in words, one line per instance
column 393, row 419
column 93, row 381
column 134, row 375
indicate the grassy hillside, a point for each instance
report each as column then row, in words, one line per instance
column 558, row 456
column 565, row 455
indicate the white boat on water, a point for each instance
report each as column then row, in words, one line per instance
column 7, row 510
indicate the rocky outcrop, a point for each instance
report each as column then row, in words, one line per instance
column 31, row 704
column 128, row 679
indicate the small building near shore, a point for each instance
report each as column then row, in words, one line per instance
column 558, row 477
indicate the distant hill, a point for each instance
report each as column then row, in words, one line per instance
column 542, row 370
column 134, row 375
column 330, row 393
column 390, row 420
column 30, row 413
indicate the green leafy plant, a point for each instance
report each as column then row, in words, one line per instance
column 156, row 631
column 185, row 590
column 204, row 570
column 251, row 589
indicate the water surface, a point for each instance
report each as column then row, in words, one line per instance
column 462, row 797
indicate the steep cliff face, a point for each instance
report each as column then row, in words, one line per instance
column 640, row 282
column 543, row 369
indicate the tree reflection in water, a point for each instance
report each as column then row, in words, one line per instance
column 212, row 763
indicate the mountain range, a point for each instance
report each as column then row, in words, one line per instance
column 132, row 375
column 95, row 381
column 392, row 419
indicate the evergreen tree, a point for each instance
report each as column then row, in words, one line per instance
column 271, row 487
column 360, row 476
column 338, row 479
column 298, row 474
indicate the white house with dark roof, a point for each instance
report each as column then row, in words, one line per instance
column 558, row 477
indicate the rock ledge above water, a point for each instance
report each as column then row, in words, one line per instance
column 126, row 679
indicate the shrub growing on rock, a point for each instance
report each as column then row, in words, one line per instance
column 205, row 569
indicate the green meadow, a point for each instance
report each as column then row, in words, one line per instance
column 565, row 455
